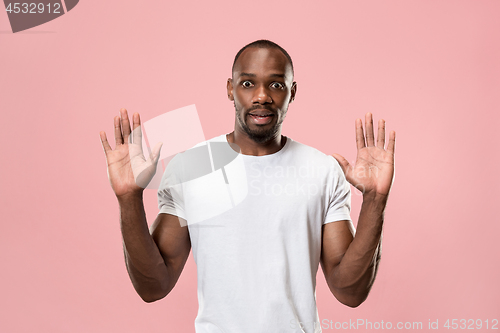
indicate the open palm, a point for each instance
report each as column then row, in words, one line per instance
column 374, row 168
column 128, row 170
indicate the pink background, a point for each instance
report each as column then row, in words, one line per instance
column 430, row 68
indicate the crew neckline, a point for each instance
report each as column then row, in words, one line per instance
column 279, row 152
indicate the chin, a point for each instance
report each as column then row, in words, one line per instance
column 261, row 137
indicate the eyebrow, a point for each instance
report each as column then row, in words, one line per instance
column 253, row 75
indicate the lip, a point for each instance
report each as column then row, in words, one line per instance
column 261, row 112
column 261, row 118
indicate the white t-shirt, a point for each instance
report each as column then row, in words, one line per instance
column 255, row 226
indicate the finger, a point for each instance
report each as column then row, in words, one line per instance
column 118, row 131
column 391, row 146
column 370, row 139
column 360, row 137
column 344, row 164
column 105, row 143
column 137, row 133
column 125, row 125
column 381, row 134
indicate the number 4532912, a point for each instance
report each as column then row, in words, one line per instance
column 33, row 8
column 471, row 324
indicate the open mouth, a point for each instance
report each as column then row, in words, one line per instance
column 261, row 115
column 261, row 119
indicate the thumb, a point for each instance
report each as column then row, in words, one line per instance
column 155, row 154
column 344, row 164
column 346, row 167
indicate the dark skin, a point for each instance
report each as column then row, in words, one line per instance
column 262, row 84
column 261, row 87
column 155, row 258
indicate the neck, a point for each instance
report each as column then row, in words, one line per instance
column 249, row 147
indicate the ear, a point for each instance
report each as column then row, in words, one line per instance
column 293, row 91
column 230, row 89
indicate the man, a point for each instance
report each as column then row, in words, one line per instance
column 257, row 259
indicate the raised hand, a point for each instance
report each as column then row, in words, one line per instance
column 128, row 171
column 373, row 172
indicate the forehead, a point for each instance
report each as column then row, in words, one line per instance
column 262, row 61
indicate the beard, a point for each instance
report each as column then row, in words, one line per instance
column 261, row 134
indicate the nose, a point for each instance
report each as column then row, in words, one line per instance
column 262, row 96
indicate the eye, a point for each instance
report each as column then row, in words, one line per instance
column 277, row 85
column 247, row 84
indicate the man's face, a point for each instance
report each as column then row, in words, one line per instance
column 261, row 88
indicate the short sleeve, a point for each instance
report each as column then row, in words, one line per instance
column 339, row 192
column 170, row 198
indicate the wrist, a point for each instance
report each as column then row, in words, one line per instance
column 130, row 196
column 375, row 200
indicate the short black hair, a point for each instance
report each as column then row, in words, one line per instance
column 263, row 44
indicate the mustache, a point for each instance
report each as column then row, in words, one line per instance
column 261, row 107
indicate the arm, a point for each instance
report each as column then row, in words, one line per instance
column 154, row 260
column 350, row 259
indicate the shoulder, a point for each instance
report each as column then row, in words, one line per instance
column 304, row 151
column 322, row 165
